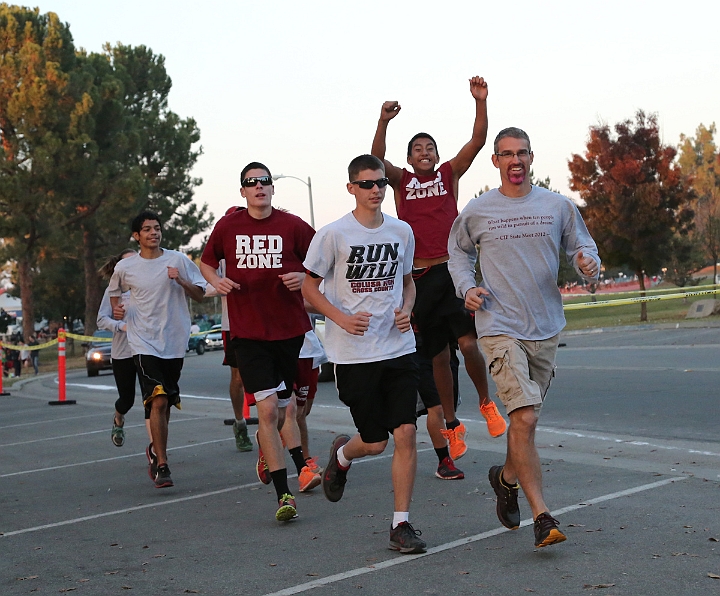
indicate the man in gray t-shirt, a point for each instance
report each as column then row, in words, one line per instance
column 158, row 327
column 519, row 229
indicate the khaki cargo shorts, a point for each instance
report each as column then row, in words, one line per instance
column 521, row 369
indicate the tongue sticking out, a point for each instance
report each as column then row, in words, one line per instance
column 516, row 176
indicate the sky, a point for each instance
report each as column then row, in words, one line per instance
column 299, row 85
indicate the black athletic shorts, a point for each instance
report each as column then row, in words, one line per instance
column 264, row 365
column 381, row 395
column 439, row 314
column 159, row 376
column 229, row 359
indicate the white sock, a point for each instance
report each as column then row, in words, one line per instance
column 241, row 423
column 342, row 460
column 399, row 517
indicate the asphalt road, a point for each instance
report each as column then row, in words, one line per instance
column 628, row 440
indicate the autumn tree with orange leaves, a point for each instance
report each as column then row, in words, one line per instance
column 637, row 199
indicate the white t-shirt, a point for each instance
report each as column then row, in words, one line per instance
column 158, row 322
column 312, row 348
column 363, row 270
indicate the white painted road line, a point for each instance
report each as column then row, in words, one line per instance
column 78, row 520
column 402, row 559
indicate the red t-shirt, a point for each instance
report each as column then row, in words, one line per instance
column 256, row 251
column 429, row 205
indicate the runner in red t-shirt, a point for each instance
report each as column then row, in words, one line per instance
column 426, row 198
column 264, row 249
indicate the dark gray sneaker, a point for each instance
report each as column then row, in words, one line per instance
column 333, row 478
column 546, row 530
column 507, row 508
column 162, row 477
column 406, row 539
column 242, row 441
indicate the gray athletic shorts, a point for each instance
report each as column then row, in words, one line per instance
column 521, row 369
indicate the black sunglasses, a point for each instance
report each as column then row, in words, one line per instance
column 368, row 184
column 250, row 182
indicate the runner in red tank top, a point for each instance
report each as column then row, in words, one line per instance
column 426, row 198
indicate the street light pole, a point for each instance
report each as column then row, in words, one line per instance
column 310, row 197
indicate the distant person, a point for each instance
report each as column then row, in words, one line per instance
column 426, row 198
column 264, row 248
column 158, row 327
column 520, row 229
column 123, row 364
column 34, row 354
column 364, row 261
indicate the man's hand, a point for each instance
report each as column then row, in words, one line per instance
column 225, row 285
column 356, row 324
column 478, row 88
column 389, row 110
column 173, row 272
column 587, row 265
column 293, row 281
column 118, row 312
column 402, row 320
column 474, row 298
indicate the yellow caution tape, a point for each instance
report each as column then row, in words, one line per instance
column 623, row 301
column 651, row 291
column 31, row 348
column 87, row 337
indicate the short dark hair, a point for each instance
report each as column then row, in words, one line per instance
column 137, row 223
column 512, row 132
column 254, row 165
column 421, row 135
column 364, row 162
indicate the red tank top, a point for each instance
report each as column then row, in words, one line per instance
column 429, row 206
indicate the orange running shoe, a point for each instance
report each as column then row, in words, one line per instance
column 456, row 441
column 495, row 423
column 308, row 479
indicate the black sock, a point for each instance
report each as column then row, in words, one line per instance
column 279, row 478
column 442, row 453
column 297, row 457
column 451, row 425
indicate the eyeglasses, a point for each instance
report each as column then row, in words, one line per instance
column 368, row 184
column 523, row 153
column 250, row 182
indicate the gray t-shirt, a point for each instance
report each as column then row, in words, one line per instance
column 120, row 348
column 519, row 241
column 363, row 270
column 158, row 322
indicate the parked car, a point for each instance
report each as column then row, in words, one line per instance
column 97, row 357
column 197, row 343
column 213, row 340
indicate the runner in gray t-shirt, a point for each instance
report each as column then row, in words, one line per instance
column 158, row 327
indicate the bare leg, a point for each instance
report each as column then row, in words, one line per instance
column 435, row 426
column 522, row 463
column 268, row 432
column 289, row 429
column 442, row 374
column 237, row 393
column 404, row 466
column 159, row 416
column 475, row 366
column 301, row 418
column 147, row 428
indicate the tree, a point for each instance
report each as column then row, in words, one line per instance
column 637, row 199
column 700, row 161
column 36, row 105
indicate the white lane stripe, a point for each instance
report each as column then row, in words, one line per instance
column 97, row 461
column 171, row 501
column 570, row 433
column 52, row 420
column 461, row 542
column 635, row 368
column 638, row 348
column 92, row 432
column 109, row 387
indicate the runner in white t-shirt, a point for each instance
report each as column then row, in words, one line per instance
column 365, row 261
